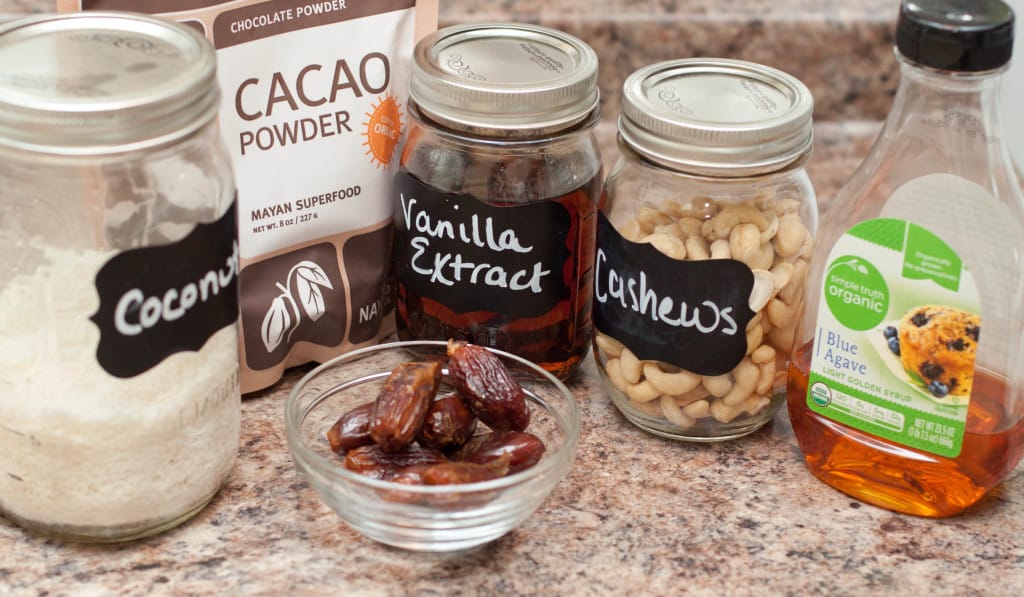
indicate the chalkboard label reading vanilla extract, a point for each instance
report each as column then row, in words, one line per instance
column 473, row 256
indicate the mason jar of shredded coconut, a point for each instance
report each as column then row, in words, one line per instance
column 119, row 398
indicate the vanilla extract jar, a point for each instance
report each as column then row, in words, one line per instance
column 702, row 247
column 119, row 397
column 496, row 198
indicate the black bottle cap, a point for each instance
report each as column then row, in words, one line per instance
column 956, row 35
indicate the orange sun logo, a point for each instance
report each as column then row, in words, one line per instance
column 383, row 129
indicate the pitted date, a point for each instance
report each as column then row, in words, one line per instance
column 403, row 403
column 374, row 462
column 410, row 475
column 488, row 387
column 449, row 424
column 519, row 449
column 408, row 437
column 454, row 473
column 352, row 429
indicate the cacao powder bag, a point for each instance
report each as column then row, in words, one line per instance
column 313, row 111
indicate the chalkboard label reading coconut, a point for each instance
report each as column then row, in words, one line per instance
column 156, row 301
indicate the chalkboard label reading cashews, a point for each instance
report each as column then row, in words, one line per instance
column 692, row 314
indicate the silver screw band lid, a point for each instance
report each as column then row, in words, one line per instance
column 504, row 76
column 97, row 83
column 716, row 117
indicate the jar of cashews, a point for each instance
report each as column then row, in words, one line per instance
column 702, row 246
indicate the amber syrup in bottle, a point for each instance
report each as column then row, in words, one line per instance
column 904, row 386
column 902, row 479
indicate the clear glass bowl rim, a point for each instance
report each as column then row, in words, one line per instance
column 336, row 473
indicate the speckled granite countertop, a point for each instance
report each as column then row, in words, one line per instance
column 637, row 514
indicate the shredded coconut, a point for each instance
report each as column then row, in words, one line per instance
column 81, row 448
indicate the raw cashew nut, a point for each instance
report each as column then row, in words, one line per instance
column 690, row 226
column 642, row 392
column 773, row 226
column 780, row 314
column 792, row 291
column 696, row 393
column 791, row 235
column 763, row 258
column 717, row 385
column 755, row 404
column 631, row 368
column 731, row 216
column 720, row 249
column 674, row 413
column 698, row 409
column 723, row 413
column 782, row 273
column 631, row 231
column 745, row 242
column 787, row 206
column 782, row 338
column 746, row 374
column 672, row 229
column 697, row 249
column 805, row 249
column 611, row 347
column 755, row 321
column 754, row 337
column 668, row 245
column 767, row 376
column 650, row 218
column 763, row 354
column 613, row 368
column 763, row 290
column 672, row 384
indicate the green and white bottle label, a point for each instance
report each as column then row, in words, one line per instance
column 897, row 332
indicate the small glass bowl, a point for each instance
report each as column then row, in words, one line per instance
column 424, row 518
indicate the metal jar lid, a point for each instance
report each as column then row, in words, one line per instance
column 504, row 76
column 99, row 83
column 716, row 117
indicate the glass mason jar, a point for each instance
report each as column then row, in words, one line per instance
column 119, row 396
column 496, row 197
column 702, row 246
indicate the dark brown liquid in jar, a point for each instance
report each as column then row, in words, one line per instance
column 557, row 334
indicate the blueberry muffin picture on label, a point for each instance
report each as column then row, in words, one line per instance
column 937, row 345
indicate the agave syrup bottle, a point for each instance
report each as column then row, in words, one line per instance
column 906, row 376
